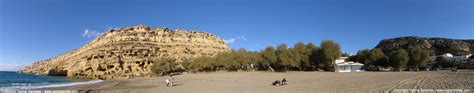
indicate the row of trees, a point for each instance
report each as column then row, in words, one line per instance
column 412, row 57
column 300, row 57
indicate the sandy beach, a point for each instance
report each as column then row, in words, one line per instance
column 298, row 82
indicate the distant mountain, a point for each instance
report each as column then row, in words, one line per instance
column 129, row 52
column 436, row 46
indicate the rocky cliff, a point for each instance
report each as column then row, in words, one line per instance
column 435, row 46
column 129, row 52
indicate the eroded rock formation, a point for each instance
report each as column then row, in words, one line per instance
column 129, row 52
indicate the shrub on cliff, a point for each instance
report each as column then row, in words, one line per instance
column 163, row 66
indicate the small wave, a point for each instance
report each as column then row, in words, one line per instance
column 29, row 86
column 67, row 84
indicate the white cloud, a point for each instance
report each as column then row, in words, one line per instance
column 233, row 40
column 243, row 38
column 90, row 33
column 115, row 28
column 11, row 67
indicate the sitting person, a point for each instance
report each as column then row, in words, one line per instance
column 276, row 83
column 171, row 79
column 167, row 82
column 284, row 82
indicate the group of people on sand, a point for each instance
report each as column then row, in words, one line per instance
column 169, row 81
column 280, row 83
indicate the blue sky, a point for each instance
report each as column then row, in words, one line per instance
column 32, row 30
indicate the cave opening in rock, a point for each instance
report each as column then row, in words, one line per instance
column 110, row 66
column 100, row 68
column 57, row 72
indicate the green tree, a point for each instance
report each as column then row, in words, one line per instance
column 330, row 51
column 363, row 56
column 269, row 58
column 378, row 58
column 313, row 55
column 163, row 66
column 345, row 54
column 223, row 61
column 471, row 60
column 307, row 62
column 353, row 58
column 255, row 60
column 418, row 57
column 311, row 47
column 301, row 55
column 293, row 63
column 399, row 59
column 442, row 61
column 241, row 56
column 284, row 56
column 447, row 63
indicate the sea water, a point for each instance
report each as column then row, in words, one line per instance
column 16, row 81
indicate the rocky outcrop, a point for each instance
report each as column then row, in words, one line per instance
column 129, row 52
column 436, row 46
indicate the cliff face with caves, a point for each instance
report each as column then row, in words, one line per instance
column 129, row 52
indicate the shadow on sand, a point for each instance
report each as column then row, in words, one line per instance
column 177, row 84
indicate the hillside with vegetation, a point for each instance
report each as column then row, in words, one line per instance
column 435, row 46
column 412, row 52
column 398, row 54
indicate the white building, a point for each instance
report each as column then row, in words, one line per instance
column 451, row 57
column 343, row 66
column 340, row 60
